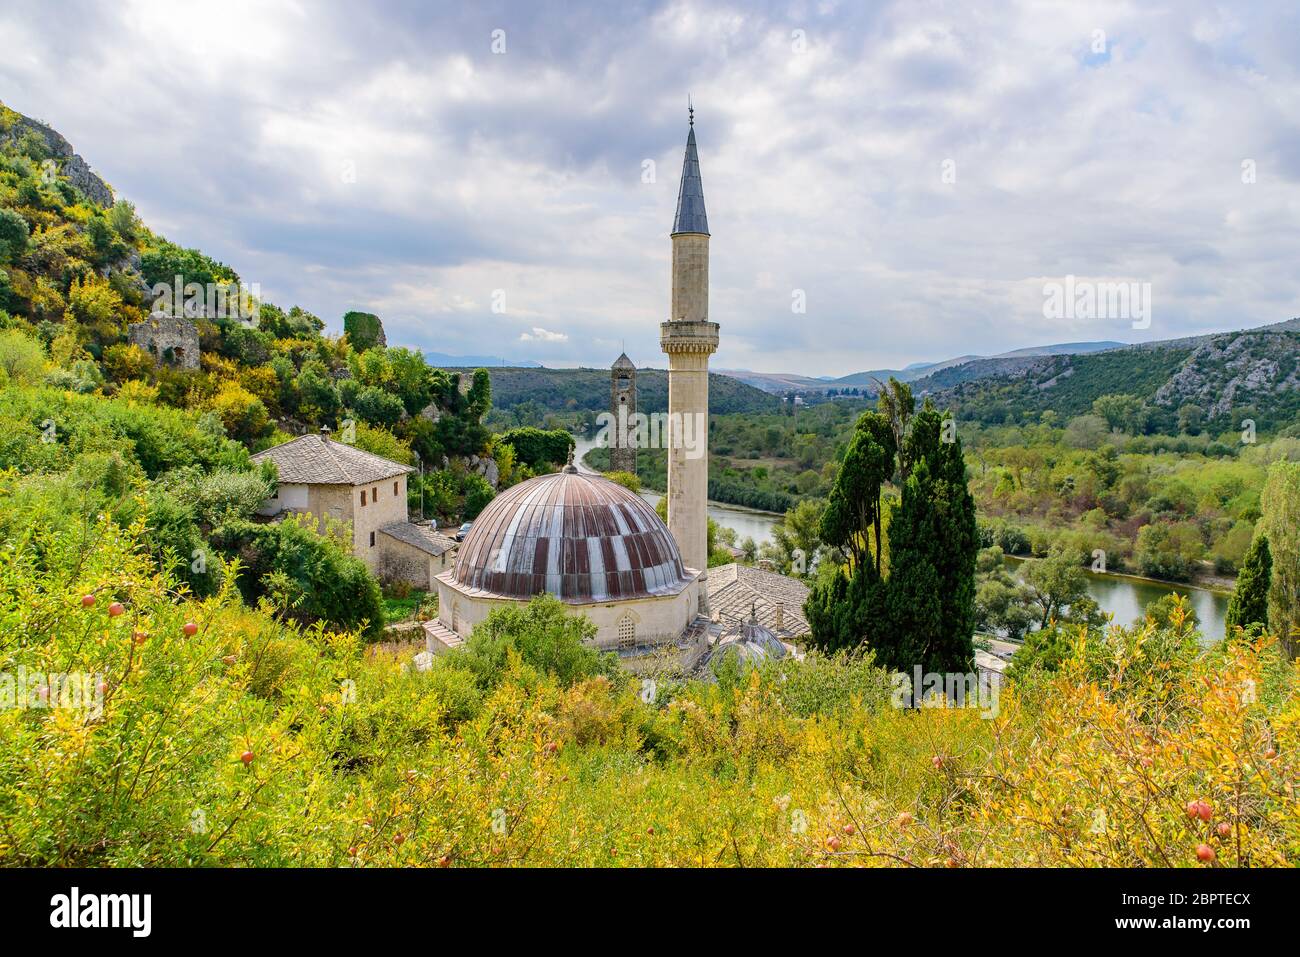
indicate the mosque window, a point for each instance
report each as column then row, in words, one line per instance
column 626, row 632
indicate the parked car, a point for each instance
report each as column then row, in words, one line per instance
column 463, row 531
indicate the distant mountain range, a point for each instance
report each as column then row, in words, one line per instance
column 779, row 383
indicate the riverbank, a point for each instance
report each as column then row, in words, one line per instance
column 1126, row 597
column 1218, row 584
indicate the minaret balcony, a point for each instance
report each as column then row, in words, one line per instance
column 683, row 335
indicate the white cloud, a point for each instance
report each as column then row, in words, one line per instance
column 542, row 335
column 822, row 169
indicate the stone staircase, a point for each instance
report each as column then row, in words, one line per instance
column 441, row 639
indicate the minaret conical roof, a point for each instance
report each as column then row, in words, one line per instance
column 691, row 217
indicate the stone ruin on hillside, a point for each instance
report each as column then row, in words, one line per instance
column 170, row 340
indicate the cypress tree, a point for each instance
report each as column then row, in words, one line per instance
column 924, row 612
column 1249, row 604
column 914, row 593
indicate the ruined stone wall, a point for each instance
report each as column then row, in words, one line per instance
column 171, row 340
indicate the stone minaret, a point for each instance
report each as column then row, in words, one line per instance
column 622, row 405
column 689, row 339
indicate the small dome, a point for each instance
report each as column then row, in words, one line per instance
column 581, row 538
column 749, row 644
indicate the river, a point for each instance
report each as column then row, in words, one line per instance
column 1118, row 595
column 1126, row 599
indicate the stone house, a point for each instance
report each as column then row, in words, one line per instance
column 334, row 481
column 414, row 553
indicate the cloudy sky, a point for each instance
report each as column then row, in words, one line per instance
column 499, row 178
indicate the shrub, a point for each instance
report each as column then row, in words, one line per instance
column 542, row 635
column 304, row 576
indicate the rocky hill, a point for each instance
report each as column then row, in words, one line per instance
column 1227, row 376
column 50, row 145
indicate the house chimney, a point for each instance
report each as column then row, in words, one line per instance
column 324, row 433
column 780, row 616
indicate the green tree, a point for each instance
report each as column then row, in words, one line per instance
column 14, row 235
column 1280, row 522
column 377, row 407
column 539, row 449
column 1123, row 413
column 1249, row 603
column 625, row 479
column 923, row 613
column 1001, row 602
column 1058, row 589
column 477, row 495
column 1165, row 612
column 307, row 576
column 22, row 360
column 852, row 518
column 798, row 535
column 543, row 635
column 363, row 329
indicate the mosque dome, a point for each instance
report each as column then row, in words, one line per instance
column 579, row 537
column 751, row 643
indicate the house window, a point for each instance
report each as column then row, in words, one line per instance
column 374, row 494
column 626, row 632
column 372, row 539
column 394, row 488
column 363, row 497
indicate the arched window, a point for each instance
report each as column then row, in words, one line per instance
column 626, row 632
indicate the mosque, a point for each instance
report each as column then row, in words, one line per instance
column 600, row 548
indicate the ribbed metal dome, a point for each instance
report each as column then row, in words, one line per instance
column 751, row 643
column 581, row 538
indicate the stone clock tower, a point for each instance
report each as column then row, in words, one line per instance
column 689, row 338
column 622, row 406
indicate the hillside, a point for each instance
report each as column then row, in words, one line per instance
column 1251, row 373
column 581, row 390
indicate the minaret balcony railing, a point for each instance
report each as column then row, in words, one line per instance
column 683, row 335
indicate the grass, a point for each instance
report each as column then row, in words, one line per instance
column 399, row 609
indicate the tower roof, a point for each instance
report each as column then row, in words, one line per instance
column 691, row 217
column 623, row 362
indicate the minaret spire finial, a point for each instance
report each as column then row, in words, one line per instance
column 690, row 109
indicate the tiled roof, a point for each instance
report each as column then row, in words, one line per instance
column 314, row 460
column 420, row 536
column 579, row 537
column 691, row 217
column 623, row 362
column 735, row 590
